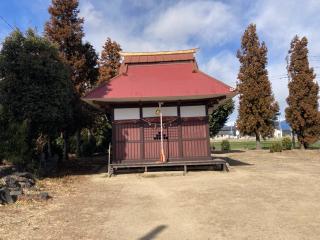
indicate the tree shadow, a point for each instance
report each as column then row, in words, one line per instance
column 224, row 152
column 153, row 233
column 81, row 166
column 234, row 162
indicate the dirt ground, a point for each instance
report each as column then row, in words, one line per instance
column 264, row 196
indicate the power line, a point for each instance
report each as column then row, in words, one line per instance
column 6, row 22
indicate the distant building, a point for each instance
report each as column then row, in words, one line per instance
column 227, row 132
column 282, row 129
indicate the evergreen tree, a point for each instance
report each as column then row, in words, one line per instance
column 109, row 61
column 258, row 109
column 302, row 112
column 35, row 89
column 220, row 116
column 90, row 70
column 65, row 29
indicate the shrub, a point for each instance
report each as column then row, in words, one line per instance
column 276, row 147
column 286, row 143
column 225, row 145
column 212, row 147
column 88, row 147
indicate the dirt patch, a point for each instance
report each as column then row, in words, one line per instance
column 264, row 196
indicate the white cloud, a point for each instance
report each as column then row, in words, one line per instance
column 206, row 21
column 224, row 66
column 184, row 24
column 280, row 21
column 93, row 18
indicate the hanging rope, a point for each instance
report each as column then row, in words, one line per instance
column 168, row 123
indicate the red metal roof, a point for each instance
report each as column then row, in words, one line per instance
column 159, row 77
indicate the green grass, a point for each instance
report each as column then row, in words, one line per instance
column 251, row 144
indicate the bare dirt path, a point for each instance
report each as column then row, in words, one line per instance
column 264, row 196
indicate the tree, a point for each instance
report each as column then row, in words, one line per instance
column 35, row 88
column 109, row 62
column 220, row 116
column 258, row 109
column 65, row 29
column 90, row 70
column 302, row 112
column 84, row 115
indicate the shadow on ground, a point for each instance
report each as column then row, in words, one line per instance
column 81, row 166
column 153, row 233
column 235, row 162
column 98, row 164
column 224, row 152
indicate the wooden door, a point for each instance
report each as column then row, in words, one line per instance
column 152, row 141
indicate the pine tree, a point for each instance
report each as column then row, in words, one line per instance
column 109, row 61
column 258, row 109
column 302, row 112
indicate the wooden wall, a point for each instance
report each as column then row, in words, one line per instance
column 139, row 140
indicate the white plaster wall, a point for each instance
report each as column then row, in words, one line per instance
column 166, row 111
column 126, row 113
column 193, row 111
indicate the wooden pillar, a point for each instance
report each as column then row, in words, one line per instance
column 180, row 143
column 113, row 137
column 208, row 131
column 141, row 134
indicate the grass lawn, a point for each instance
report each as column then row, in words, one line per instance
column 251, row 144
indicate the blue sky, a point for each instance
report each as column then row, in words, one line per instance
column 215, row 27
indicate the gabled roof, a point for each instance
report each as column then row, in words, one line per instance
column 159, row 76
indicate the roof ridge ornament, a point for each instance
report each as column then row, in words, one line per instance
column 192, row 50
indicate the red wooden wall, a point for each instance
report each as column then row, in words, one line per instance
column 138, row 140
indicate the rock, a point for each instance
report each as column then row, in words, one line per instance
column 24, row 175
column 5, row 196
column 19, row 180
column 10, row 182
column 16, row 192
column 44, row 196
column 37, row 197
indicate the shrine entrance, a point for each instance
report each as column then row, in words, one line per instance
column 152, row 138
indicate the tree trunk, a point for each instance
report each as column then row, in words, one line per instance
column 305, row 145
column 293, row 140
column 65, row 146
column 258, row 143
column 49, row 147
column 90, row 135
column 302, row 146
column 78, row 143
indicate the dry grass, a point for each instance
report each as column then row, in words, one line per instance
column 264, row 196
